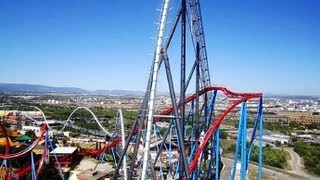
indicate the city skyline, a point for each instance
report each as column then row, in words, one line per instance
column 265, row 47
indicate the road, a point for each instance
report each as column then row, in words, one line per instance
column 226, row 173
column 296, row 165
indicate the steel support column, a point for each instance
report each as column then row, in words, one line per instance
column 260, row 139
column 182, row 169
column 217, row 155
column 244, row 142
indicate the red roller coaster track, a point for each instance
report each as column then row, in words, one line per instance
column 242, row 98
column 22, row 171
column 214, row 126
column 25, row 151
column 7, row 150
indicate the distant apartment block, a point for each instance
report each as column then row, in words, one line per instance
column 294, row 116
column 276, row 118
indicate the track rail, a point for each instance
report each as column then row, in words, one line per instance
column 213, row 128
column 230, row 94
column 30, row 148
column 242, row 97
column 94, row 117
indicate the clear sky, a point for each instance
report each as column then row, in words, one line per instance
column 270, row 46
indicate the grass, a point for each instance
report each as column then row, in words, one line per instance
column 253, row 174
column 226, row 143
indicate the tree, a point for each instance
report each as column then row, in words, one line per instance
column 294, row 139
column 64, row 141
column 31, row 134
column 49, row 172
column 5, row 123
column 313, row 126
column 278, row 143
column 310, row 154
column 268, row 145
column 223, row 134
column 271, row 157
column 232, row 148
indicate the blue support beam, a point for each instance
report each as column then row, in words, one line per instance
column 212, row 150
column 238, row 144
column 255, row 127
column 244, row 142
column 211, row 106
column 260, row 139
column 190, row 116
column 217, row 156
column 33, row 168
column 47, row 147
column 241, row 144
column 57, row 161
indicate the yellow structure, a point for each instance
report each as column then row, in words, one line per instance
column 3, row 142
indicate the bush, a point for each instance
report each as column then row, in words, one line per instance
column 271, row 157
column 49, row 172
column 31, row 134
column 223, row 134
column 310, row 154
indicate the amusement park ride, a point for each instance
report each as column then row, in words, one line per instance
column 190, row 147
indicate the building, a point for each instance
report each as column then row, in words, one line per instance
column 272, row 139
column 276, row 118
column 267, row 137
column 66, row 157
column 14, row 114
column 36, row 129
column 311, row 138
column 302, row 117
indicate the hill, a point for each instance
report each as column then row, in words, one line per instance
column 12, row 88
column 17, row 88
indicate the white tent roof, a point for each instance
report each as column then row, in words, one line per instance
column 63, row 150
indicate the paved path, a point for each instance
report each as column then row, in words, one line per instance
column 297, row 166
column 226, row 173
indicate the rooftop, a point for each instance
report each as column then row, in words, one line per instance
column 63, row 150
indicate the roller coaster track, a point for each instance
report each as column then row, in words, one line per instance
column 214, row 126
column 46, row 128
column 242, row 97
column 7, row 150
column 28, row 149
column 94, row 117
column 230, row 94
column 23, row 170
column 67, row 121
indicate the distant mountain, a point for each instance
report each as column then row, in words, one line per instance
column 291, row 96
column 11, row 88
column 16, row 88
column 19, row 88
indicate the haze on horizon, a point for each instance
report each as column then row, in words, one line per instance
column 265, row 46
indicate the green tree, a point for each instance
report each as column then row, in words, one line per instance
column 31, row 134
column 278, row 143
column 223, row 134
column 310, row 154
column 232, row 148
column 49, row 172
column 5, row 124
column 271, row 157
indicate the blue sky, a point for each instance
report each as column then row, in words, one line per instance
column 268, row 46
